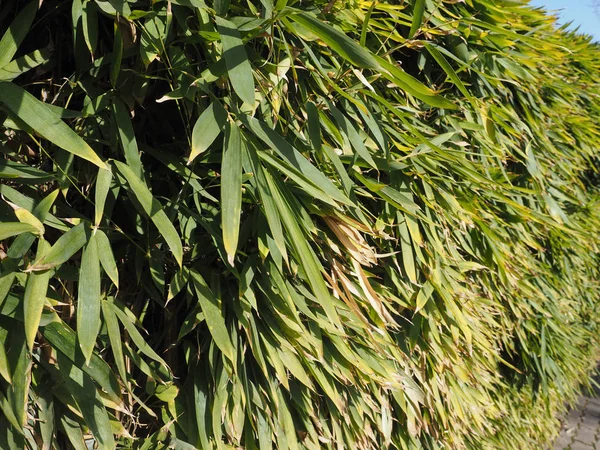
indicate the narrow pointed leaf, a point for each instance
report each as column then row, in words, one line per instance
column 239, row 69
column 65, row 247
column 45, row 122
column 127, row 137
column 88, row 298
column 35, row 297
column 10, row 229
column 207, row 128
column 16, row 32
column 153, row 209
column 418, row 11
column 213, row 315
column 338, row 41
column 107, row 258
column 103, row 181
column 231, row 190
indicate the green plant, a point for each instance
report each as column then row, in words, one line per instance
column 291, row 225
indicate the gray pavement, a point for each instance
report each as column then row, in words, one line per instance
column 581, row 427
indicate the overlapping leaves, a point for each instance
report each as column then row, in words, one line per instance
column 290, row 225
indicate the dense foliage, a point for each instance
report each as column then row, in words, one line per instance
column 295, row 224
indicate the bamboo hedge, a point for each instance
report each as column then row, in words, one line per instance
column 295, row 224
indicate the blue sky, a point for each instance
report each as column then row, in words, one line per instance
column 581, row 12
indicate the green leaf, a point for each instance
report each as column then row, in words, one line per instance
column 239, row 69
column 231, row 189
column 23, row 173
column 424, row 295
column 213, row 314
column 413, row 86
column 107, row 258
column 45, row 404
column 314, row 126
column 82, row 388
column 19, row 359
column 207, row 128
column 268, row 204
column 73, row 432
column 353, row 135
column 153, row 209
column 23, row 242
column 9, row 229
column 45, row 122
column 418, row 11
column 103, row 181
column 127, row 138
column 16, row 32
column 221, row 7
column 338, row 41
column 4, row 368
column 42, row 209
column 63, row 338
column 445, row 65
column 308, row 259
column 88, row 298
column 114, row 336
column 127, row 318
column 286, row 151
column 35, row 296
column 89, row 23
column 115, row 65
column 407, row 250
column 63, row 249
column 6, row 409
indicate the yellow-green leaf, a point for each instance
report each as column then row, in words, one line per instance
column 231, row 189
column 9, row 229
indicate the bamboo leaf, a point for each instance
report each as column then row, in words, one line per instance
column 63, row 249
column 35, row 296
column 153, row 209
column 309, row 261
column 286, row 151
column 418, row 11
column 338, row 41
column 123, row 316
column 207, row 128
column 239, row 69
column 16, row 32
column 127, row 138
column 43, row 121
column 88, row 298
column 25, row 216
column 114, row 336
column 103, row 181
column 4, row 368
column 64, row 339
column 231, row 189
column 424, row 295
column 10, row 229
column 213, row 315
column 82, row 387
column 107, row 258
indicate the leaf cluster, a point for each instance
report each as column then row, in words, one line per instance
column 295, row 225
